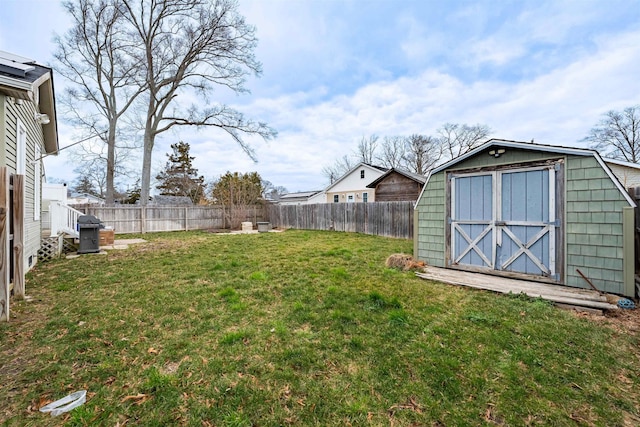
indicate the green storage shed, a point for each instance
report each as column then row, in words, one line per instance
column 531, row 211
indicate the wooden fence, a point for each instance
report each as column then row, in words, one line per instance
column 137, row 219
column 391, row 219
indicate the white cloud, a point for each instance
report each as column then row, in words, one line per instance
column 558, row 107
column 426, row 74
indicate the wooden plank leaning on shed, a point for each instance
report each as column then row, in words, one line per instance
column 559, row 294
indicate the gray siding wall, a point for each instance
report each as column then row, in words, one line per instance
column 3, row 133
column 431, row 222
column 593, row 226
column 25, row 113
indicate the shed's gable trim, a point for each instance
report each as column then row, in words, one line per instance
column 535, row 147
column 424, row 187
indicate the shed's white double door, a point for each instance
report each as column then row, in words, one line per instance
column 504, row 220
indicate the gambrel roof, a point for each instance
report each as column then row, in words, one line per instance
column 503, row 143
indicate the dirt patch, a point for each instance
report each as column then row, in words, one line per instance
column 624, row 321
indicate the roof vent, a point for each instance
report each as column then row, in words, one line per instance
column 15, row 65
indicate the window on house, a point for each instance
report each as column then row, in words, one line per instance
column 365, row 197
column 37, row 176
column 362, row 174
column 336, row 198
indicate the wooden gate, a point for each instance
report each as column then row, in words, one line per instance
column 504, row 220
column 11, row 239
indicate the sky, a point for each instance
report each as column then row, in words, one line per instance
column 337, row 70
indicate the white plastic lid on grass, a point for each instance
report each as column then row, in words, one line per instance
column 65, row 404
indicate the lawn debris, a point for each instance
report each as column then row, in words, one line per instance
column 65, row 404
column 137, row 399
column 410, row 405
column 491, row 417
column 404, row 262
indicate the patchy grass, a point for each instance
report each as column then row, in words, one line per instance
column 300, row 328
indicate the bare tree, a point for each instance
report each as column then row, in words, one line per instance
column 95, row 157
column 366, row 151
column 456, row 139
column 271, row 191
column 617, row 135
column 94, row 174
column 92, row 55
column 421, row 153
column 392, row 152
column 339, row 168
column 188, row 46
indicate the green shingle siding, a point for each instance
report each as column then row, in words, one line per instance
column 431, row 222
column 593, row 218
column 594, row 226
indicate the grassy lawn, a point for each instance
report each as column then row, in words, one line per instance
column 300, row 328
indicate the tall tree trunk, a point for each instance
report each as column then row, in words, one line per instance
column 111, row 162
column 145, row 181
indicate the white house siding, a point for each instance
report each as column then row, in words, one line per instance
column 628, row 177
column 25, row 113
column 353, row 184
column 321, row 197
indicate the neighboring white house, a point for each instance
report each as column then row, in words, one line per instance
column 352, row 186
column 300, row 198
column 28, row 131
column 628, row 173
column 57, row 192
column 52, row 194
column 319, row 197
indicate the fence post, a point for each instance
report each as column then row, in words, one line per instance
column 186, row 218
column 4, row 245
